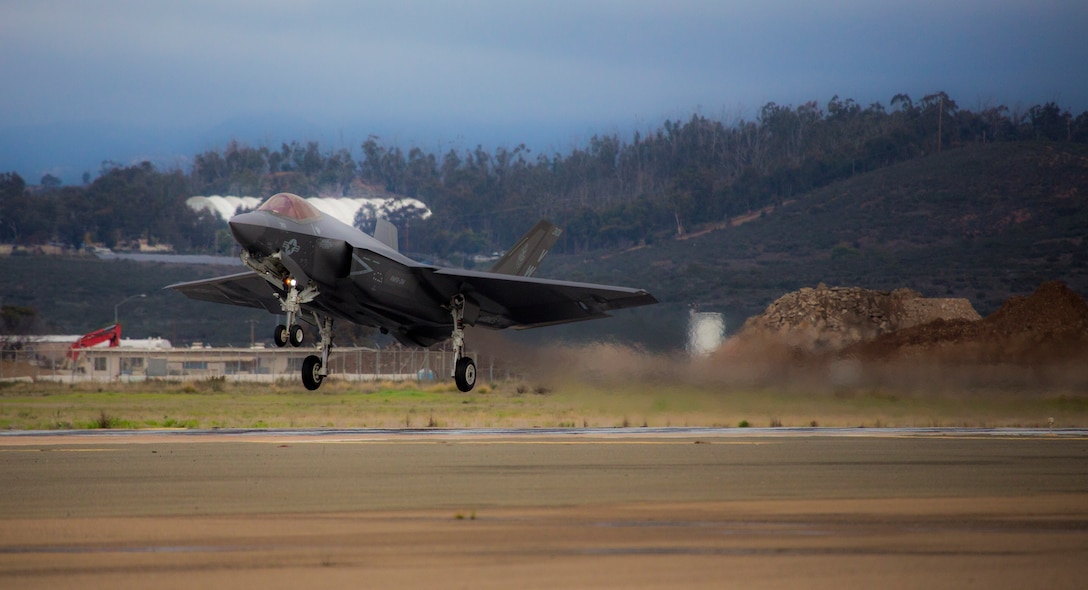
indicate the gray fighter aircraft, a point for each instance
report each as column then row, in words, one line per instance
column 314, row 268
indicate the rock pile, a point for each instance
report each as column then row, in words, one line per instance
column 1050, row 325
column 825, row 319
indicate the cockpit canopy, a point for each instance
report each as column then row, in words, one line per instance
column 290, row 206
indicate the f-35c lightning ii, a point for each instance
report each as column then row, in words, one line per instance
column 313, row 268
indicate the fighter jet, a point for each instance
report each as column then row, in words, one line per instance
column 311, row 267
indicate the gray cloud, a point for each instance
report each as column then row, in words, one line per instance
column 482, row 70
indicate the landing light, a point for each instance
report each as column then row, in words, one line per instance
column 290, row 282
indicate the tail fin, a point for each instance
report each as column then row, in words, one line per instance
column 524, row 258
column 386, row 233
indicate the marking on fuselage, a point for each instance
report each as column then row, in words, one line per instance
column 290, row 247
column 366, row 267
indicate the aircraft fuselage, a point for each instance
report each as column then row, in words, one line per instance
column 376, row 285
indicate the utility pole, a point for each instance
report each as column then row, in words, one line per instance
column 940, row 119
column 125, row 300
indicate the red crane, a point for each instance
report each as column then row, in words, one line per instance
column 111, row 334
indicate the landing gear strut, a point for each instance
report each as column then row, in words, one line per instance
column 316, row 368
column 292, row 306
column 464, row 369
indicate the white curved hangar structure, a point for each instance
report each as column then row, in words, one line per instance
column 342, row 209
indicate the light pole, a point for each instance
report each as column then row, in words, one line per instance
column 124, row 301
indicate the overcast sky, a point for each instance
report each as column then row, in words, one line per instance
column 122, row 80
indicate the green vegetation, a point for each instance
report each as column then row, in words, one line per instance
column 343, row 405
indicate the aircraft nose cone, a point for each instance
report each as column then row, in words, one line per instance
column 246, row 231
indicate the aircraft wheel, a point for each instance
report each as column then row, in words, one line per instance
column 311, row 372
column 280, row 336
column 296, row 335
column 465, row 375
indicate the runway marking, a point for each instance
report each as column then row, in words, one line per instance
column 528, row 442
column 1042, row 437
column 95, row 450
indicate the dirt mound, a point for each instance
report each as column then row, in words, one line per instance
column 827, row 319
column 1049, row 325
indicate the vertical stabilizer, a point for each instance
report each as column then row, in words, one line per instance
column 386, row 233
column 524, row 258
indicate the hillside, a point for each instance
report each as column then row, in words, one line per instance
column 982, row 222
column 75, row 295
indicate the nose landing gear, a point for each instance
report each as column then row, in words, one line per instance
column 292, row 306
column 288, row 334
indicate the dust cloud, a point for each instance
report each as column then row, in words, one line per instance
column 1034, row 344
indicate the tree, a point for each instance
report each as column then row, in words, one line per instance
column 18, row 320
column 1050, row 122
column 50, row 182
column 11, row 185
column 938, row 106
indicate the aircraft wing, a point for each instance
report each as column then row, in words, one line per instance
column 500, row 301
column 518, row 302
column 247, row 289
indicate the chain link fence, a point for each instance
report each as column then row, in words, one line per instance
column 53, row 362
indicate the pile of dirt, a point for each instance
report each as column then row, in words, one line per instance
column 1050, row 325
column 828, row 319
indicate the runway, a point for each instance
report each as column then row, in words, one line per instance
column 702, row 508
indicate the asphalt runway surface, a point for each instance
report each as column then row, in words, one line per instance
column 623, row 508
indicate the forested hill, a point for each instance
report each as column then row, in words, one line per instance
column 611, row 193
column 924, row 195
column 985, row 222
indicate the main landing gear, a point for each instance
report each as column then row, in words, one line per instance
column 315, row 368
column 464, row 368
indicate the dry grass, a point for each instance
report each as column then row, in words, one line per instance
column 598, row 386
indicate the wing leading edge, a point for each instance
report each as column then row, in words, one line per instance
column 247, row 289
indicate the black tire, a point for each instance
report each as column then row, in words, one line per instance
column 465, row 375
column 296, row 335
column 311, row 376
column 280, row 336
